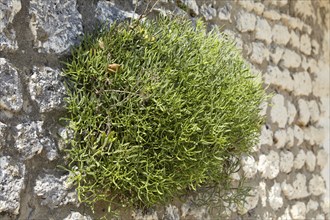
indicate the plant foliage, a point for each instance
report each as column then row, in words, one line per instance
column 158, row 108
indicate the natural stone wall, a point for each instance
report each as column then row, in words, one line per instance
column 286, row 42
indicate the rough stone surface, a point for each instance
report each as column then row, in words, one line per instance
column 322, row 158
column 251, row 203
column 275, row 199
column 263, row 30
column 297, row 190
column 55, row 24
column 192, row 5
column 272, row 15
column 286, row 215
column 249, row 166
column 280, row 138
column 108, row 12
column 279, row 78
column 294, row 39
column 292, row 112
column 47, row 89
column 2, row 134
column 310, row 161
column 304, row 114
column 305, row 44
column 171, row 213
column 266, row 136
column 259, row 53
column 8, row 9
column 286, row 161
column 11, row 97
column 269, row 165
column 245, row 21
column 314, row 111
column 278, row 112
column 276, row 54
column 298, row 134
column 300, row 159
column 289, row 137
column 208, row 12
column 298, row 211
column 281, row 34
column 316, row 185
column 291, row 59
column 77, row 216
column 54, row 191
column 312, row 205
column 12, row 183
column 224, row 13
column 302, row 83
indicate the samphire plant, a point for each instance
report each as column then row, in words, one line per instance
column 158, row 108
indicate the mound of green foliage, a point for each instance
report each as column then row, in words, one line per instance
column 158, row 108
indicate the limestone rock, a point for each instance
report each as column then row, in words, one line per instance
column 272, row 15
column 30, row 140
column 321, row 81
column 291, row 112
column 280, row 138
column 304, row 114
column 312, row 205
column 279, row 78
column 171, row 213
column 310, row 161
column 208, row 12
column 316, row 185
column 269, row 165
column 262, row 193
column 249, row 166
column 47, row 89
column 107, row 12
column 224, row 13
column 245, row 21
column 77, row 216
column 281, row 34
column 192, row 5
column 12, row 183
column 274, row 197
column 304, row 9
column 314, row 111
column 251, row 202
column 54, row 191
column 266, row 136
column 278, row 112
column 291, row 59
column 258, row 8
column 286, row 161
column 263, row 30
column 55, row 24
column 259, row 53
column 8, row 8
column 305, row 44
column 276, row 54
column 297, row 190
column 302, row 83
column 286, row 215
column 314, row 135
column 2, row 134
column 298, row 134
column 298, row 211
column 315, row 47
column 294, row 39
column 289, row 137
column 11, row 97
column 300, row 159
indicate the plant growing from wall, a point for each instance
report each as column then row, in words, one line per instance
column 158, row 108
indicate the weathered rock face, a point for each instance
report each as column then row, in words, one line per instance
column 289, row 50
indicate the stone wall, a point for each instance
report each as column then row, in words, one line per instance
column 287, row 42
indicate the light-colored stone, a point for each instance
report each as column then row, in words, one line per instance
column 47, row 88
column 258, row 8
column 307, row 29
column 245, row 21
column 314, row 135
column 294, row 39
column 302, row 83
column 259, row 53
column 298, row 134
column 319, row 217
column 142, row 215
column 316, row 185
column 274, row 197
column 266, row 136
column 249, row 166
column 313, row 66
column 286, row 162
column 251, row 202
column 300, row 159
column 286, row 215
column 77, row 216
column 303, row 112
column 269, row 165
column 315, row 47
column 291, row 59
column 187, row 209
column 192, row 5
column 276, row 54
column 11, row 97
column 304, row 9
column 325, row 205
column 54, row 191
column 55, row 24
column 2, row 134
column 278, row 112
column 262, row 193
column 272, row 15
column 289, row 137
column 171, row 213
column 298, row 211
column 314, row 111
column 208, row 12
column 279, row 78
column 280, row 138
column 312, row 205
column 297, row 190
column 224, row 13
column 263, row 30
column 310, row 161
column 247, row 5
column 292, row 22
column 8, row 9
column 292, row 112
column 322, row 158
column 12, row 183
column 281, row 34
column 305, row 44
column 321, row 81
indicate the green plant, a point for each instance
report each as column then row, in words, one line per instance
column 158, row 108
